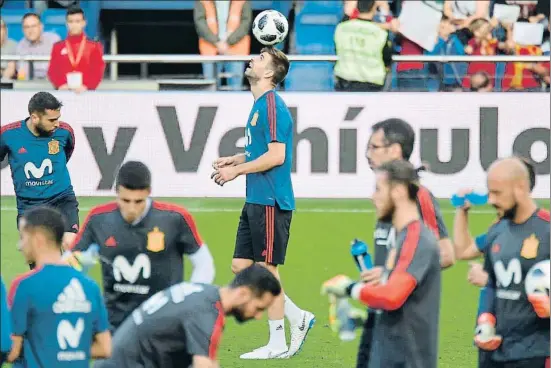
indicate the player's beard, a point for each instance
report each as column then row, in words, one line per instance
column 387, row 217
column 511, row 212
column 239, row 315
column 43, row 132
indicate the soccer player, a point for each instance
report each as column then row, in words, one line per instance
column 39, row 148
column 393, row 139
column 264, row 225
column 183, row 324
column 405, row 333
column 141, row 243
column 5, row 326
column 519, row 315
column 58, row 314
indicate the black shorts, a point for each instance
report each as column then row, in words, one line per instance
column 68, row 206
column 362, row 359
column 524, row 363
column 263, row 233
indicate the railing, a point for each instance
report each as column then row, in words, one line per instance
column 196, row 59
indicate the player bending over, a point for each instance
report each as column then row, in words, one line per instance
column 514, row 323
column 265, row 222
column 405, row 332
column 141, row 243
column 38, row 149
column 58, row 314
column 183, row 324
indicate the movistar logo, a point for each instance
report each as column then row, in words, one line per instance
column 38, row 172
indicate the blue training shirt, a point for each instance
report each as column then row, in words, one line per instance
column 270, row 121
column 58, row 311
column 38, row 164
column 5, row 326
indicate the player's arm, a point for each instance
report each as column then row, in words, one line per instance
column 466, row 247
column 101, row 346
column 191, row 244
column 3, row 148
column 70, row 145
column 432, row 217
column 18, row 299
column 5, row 326
column 204, row 362
column 410, row 270
column 274, row 157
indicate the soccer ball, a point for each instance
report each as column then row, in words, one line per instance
column 537, row 279
column 270, row 27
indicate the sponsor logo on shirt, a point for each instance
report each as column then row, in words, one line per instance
column 33, row 172
column 130, row 272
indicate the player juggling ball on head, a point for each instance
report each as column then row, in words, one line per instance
column 141, row 243
column 405, row 332
column 265, row 222
column 38, row 149
column 514, row 321
column 58, row 315
column 182, row 325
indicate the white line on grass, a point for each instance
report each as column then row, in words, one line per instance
column 300, row 210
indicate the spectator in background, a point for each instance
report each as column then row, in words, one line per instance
column 481, row 82
column 223, row 29
column 36, row 42
column 7, row 47
column 364, row 52
column 76, row 63
column 463, row 12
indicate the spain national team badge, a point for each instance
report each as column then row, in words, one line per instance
column 155, row 240
column 53, row 147
column 530, row 247
column 391, row 259
column 254, row 119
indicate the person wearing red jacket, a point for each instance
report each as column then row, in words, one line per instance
column 76, row 63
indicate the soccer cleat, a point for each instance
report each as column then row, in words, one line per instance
column 263, row 353
column 299, row 333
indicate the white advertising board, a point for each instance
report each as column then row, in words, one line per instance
column 179, row 134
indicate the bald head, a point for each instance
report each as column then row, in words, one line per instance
column 509, row 169
column 508, row 186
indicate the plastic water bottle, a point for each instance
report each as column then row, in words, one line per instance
column 347, row 326
column 360, row 253
column 474, row 198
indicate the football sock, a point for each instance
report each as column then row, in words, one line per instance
column 277, row 335
column 292, row 312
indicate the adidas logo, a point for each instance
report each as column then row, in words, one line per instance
column 72, row 299
column 279, row 328
column 22, row 150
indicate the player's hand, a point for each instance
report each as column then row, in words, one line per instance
column 223, row 162
column 68, row 239
column 338, row 286
column 540, row 304
column 373, row 276
column 80, row 89
column 82, row 261
column 485, row 335
column 224, row 175
column 477, row 276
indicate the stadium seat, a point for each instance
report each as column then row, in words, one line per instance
column 54, row 21
column 14, row 4
column 310, row 76
column 12, row 18
column 315, row 27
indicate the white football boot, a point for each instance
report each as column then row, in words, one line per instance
column 299, row 333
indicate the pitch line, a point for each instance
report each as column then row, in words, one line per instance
column 299, row 210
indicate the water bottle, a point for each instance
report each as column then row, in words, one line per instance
column 474, row 198
column 347, row 326
column 360, row 253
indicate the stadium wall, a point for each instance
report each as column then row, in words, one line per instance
column 179, row 134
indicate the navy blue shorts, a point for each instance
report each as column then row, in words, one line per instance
column 68, row 206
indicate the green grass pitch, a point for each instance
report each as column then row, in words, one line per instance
column 319, row 249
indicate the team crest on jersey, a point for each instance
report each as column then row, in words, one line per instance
column 155, row 240
column 254, row 119
column 530, row 247
column 53, row 147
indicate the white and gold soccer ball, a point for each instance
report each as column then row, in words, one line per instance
column 270, row 27
column 537, row 279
